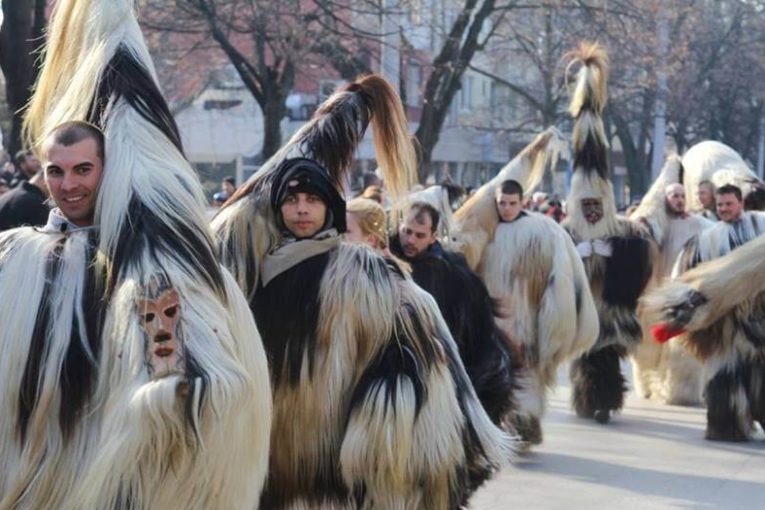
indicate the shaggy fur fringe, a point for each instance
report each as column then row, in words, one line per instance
column 164, row 442
column 373, row 408
column 535, row 274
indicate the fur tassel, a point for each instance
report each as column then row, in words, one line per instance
column 586, row 107
column 477, row 219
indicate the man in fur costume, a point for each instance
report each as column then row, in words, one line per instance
column 372, row 405
column 466, row 306
column 132, row 371
column 535, row 274
column 668, row 372
column 615, row 251
column 528, row 289
column 718, row 302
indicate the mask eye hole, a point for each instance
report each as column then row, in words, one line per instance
column 170, row 312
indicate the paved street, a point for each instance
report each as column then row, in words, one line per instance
column 651, row 456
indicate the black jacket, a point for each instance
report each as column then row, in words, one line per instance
column 23, row 205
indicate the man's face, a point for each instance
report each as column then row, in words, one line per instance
column 30, row 166
column 416, row 234
column 509, row 206
column 592, row 209
column 73, row 174
column 729, row 207
column 303, row 214
column 705, row 196
column 227, row 188
column 676, row 199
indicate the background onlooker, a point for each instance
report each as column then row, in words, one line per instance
column 25, row 204
column 227, row 188
column 27, row 165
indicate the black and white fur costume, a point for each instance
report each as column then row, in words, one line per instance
column 536, row 278
column 718, row 303
column 89, row 421
column 533, row 271
column 372, row 405
column 668, row 372
column 469, row 313
column 616, row 278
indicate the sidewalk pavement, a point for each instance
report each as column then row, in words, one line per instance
column 651, row 456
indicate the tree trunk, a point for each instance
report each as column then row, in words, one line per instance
column 18, row 37
column 273, row 113
column 444, row 80
column 633, row 159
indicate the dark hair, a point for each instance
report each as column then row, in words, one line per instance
column 730, row 189
column 511, row 187
column 370, row 179
column 21, row 157
column 420, row 209
column 230, row 180
column 75, row 131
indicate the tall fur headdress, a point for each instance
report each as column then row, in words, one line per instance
column 246, row 227
column 97, row 68
column 591, row 175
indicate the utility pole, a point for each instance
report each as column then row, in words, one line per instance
column 660, row 120
column 390, row 60
column 761, row 147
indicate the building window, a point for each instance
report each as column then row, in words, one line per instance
column 413, row 77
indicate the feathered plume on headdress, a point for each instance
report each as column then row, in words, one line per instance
column 246, row 227
column 591, row 176
column 97, row 68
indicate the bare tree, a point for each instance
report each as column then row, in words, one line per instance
column 266, row 41
column 20, row 34
column 464, row 38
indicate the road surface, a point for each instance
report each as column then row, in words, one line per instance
column 651, row 456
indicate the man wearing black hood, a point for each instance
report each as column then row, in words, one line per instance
column 361, row 369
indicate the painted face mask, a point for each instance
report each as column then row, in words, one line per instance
column 163, row 345
column 592, row 208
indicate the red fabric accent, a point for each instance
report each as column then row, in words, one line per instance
column 663, row 332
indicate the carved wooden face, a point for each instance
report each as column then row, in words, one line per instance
column 163, row 344
column 592, row 209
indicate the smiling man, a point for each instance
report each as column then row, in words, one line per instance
column 73, row 155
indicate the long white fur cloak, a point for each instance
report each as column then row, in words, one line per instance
column 99, row 425
column 536, row 275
